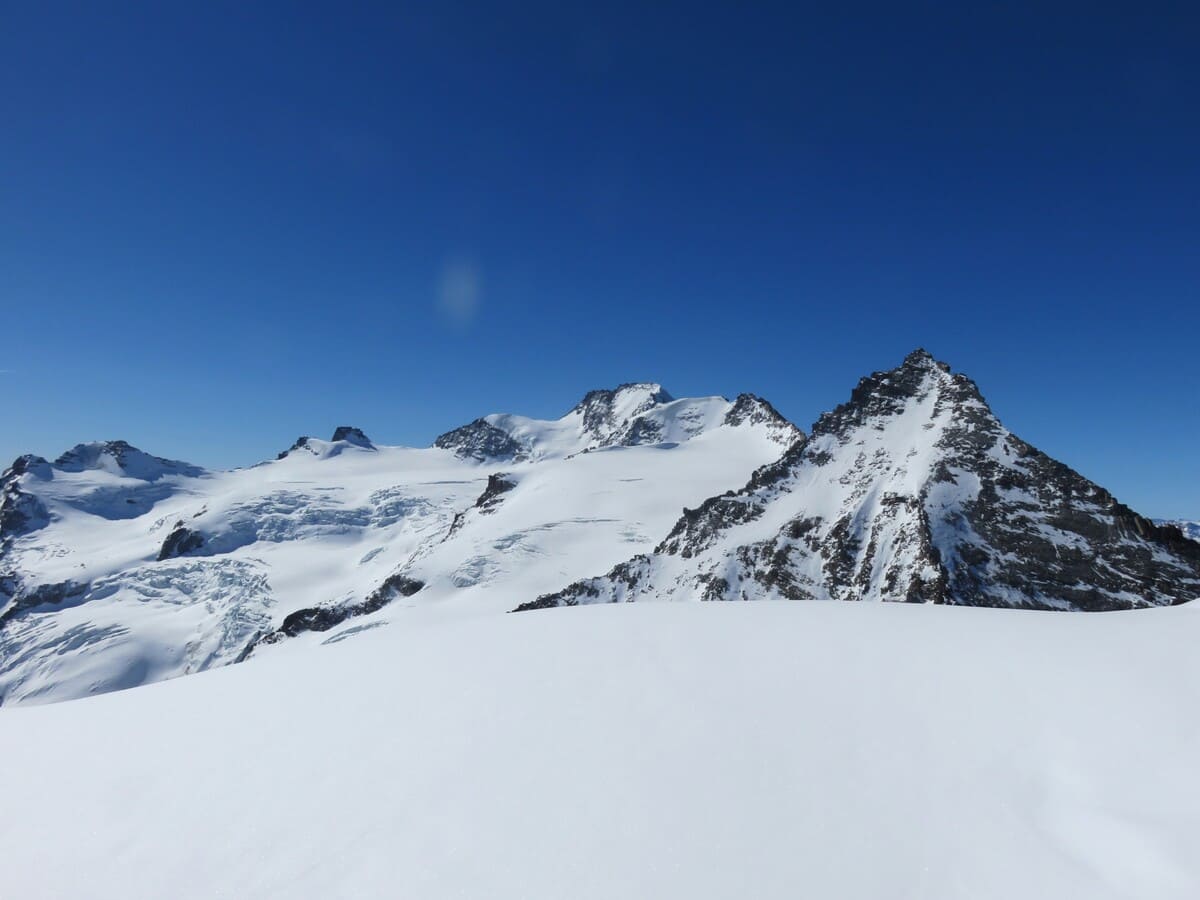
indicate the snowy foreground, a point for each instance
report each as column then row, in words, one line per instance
column 661, row 751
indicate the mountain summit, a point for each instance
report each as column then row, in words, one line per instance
column 118, row 568
column 912, row 491
column 629, row 415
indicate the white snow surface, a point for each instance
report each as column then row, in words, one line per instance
column 326, row 525
column 766, row 750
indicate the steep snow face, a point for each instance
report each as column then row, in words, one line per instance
column 912, row 491
column 699, row 751
column 115, row 572
column 630, row 415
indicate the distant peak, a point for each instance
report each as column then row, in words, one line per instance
column 652, row 389
column 754, row 410
column 86, row 455
column 890, row 392
column 121, row 457
column 352, row 435
column 482, row 441
column 607, row 410
column 923, row 359
column 28, row 462
column 651, row 393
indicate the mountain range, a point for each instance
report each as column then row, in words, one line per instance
column 119, row 568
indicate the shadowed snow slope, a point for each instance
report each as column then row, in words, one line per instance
column 700, row 751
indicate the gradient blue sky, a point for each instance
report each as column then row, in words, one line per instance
column 225, row 225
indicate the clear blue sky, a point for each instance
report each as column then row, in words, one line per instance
column 225, row 225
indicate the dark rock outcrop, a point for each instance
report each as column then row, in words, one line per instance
column 323, row 618
column 497, row 486
column 482, row 441
column 55, row 594
column 352, row 435
column 597, row 409
column 20, row 511
column 180, row 542
column 299, row 444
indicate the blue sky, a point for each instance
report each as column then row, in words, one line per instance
column 223, row 227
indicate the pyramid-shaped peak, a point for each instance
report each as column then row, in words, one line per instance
column 922, row 359
column 891, row 392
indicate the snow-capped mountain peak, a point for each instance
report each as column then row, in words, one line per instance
column 344, row 437
column 123, row 460
column 118, row 568
column 108, row 581
column 632, row 414
column 352, row 435
column 912, row 490
column 605, row 414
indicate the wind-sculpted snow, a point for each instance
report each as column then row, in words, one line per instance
column 912, row 491
column 118, row 568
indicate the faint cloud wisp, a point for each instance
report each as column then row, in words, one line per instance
column 458, row 292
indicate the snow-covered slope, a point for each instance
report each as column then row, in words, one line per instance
column 630, row 415
column 911, row 491
column 700, row 751
column 118, row 568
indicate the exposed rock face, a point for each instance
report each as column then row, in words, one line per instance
column 180, row 542
column 20, row 511
column 482, row 441
column 754, row 410
column 323, row 618
column 343, row 436
column 912, row 491
column 43, row 595
column 497, row 486
column 610, row 416
column 34, row 465
column 1189, row 529
column 352, row 435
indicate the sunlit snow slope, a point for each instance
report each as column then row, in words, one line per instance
column 118, row 568
column 699, row 751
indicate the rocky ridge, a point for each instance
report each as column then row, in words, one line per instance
column 912, row 491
